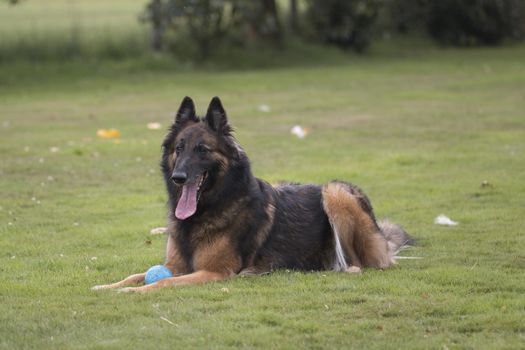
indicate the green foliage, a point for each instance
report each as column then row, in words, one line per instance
column 255, row 20
column 187, row 30
column 406, row 15
column 201, row 20
column 180, row 23
column 466, row 23
column 347, row 24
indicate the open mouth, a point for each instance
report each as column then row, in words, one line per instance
column 201, row 182
column 191, row 192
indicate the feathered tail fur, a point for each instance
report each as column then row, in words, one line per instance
column 397, row 238
column 358, row 242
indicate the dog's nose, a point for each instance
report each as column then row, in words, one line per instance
column 179, row 177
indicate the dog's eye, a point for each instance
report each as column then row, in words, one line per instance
column 201, row 149
column 179, row 149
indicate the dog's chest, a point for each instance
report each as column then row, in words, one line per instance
column 210, row 250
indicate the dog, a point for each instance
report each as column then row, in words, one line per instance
column 224, row 222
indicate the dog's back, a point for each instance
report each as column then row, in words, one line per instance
column 331, row 227
column 300, row 236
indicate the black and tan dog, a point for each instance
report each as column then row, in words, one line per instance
column 224, row 222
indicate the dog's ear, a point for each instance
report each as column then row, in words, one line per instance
column 186, row 112
column 185, row 115
column 216, row 117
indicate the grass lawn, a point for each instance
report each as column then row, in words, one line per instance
column 420, row 132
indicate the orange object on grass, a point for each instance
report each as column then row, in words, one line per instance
column 108, row 133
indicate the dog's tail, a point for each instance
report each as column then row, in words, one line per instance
column 359, row 240
column 397, row 238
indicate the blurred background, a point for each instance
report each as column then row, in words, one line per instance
column 247, row 33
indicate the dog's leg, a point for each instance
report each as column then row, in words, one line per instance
column 354, row 229
column 338, row 209
column 254, row 271
column 173, row 262
column 197, row 277
column 133, row 279
column 215, row 262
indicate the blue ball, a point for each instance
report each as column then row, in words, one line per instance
column 157, row 273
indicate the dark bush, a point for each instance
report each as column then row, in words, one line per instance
column 407, row 15
column 475, row 22
column 255, row 20
column 200, row 20
column 345, row 23
column 201, row 24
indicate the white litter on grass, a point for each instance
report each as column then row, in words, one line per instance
column 154, row 126
column 444, row 220
column 264, row 108
column 158, row 230
column 166, row 320
column 54, row 149
column 299, row 131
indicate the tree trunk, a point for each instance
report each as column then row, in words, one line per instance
column 157, row 35
column 293, row 16
column 270, row 11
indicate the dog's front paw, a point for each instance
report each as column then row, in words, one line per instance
column 100, row 287
column 142, row 289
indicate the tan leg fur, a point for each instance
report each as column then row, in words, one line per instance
column 363, row 244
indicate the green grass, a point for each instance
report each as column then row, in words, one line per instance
column 418, row 130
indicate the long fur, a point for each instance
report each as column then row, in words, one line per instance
column 243, row 225
column 397, row 237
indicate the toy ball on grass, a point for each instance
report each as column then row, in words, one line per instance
column 157, row 273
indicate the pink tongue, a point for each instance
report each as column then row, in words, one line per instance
column 187, row 205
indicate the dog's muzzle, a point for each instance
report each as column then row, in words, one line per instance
column 179, row 177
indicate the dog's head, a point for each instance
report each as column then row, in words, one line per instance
column 197, row 155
